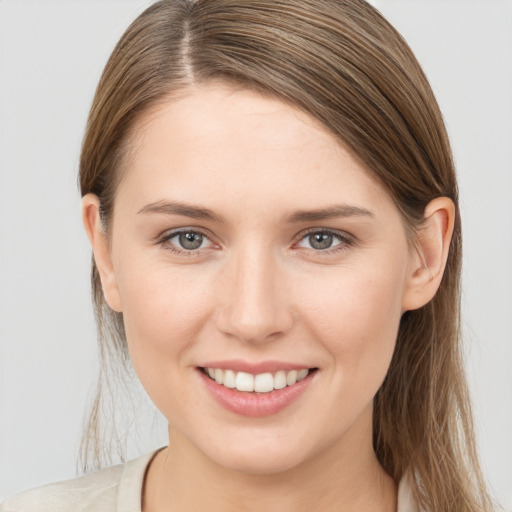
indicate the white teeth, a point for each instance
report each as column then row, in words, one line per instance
column 244, row 381
column 261, row 383
column 291, row 378
column 302, row 374
column 280, row 380
column 229, row 379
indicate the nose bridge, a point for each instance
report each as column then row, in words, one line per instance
column 255, row 306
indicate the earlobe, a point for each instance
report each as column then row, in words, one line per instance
column 429, row 256
column 101, row 250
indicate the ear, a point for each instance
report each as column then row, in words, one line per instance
column 101, row 250
column 428, row 257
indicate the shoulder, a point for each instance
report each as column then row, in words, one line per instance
column 101, row 490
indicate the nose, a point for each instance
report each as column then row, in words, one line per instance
column 253, row 298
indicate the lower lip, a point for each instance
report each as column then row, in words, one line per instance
column 256, row 405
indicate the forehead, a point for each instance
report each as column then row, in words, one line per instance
column 221, row 112
column 219, row 143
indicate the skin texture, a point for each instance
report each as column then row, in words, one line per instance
column 257, row 290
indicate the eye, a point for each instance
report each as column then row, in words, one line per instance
column 190, row 240
column 324, row 240
column 185, row 240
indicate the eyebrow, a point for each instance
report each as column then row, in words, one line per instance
column 179, row 208
column 331, row 212
column 200, row 213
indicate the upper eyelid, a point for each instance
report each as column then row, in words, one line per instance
column 171, row 233
column 346, row 240
column 164, row 241
column 336, row 232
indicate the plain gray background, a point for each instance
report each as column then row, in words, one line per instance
column 51, row 56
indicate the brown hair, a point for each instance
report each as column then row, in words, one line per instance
column 344, row 64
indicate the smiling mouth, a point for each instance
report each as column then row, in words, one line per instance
column 260, row 383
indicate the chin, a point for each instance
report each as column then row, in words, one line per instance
column 260, row 451
column 259, row 461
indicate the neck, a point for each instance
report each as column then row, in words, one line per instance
column 345, row 477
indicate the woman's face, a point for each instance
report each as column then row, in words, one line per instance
column 246, row 238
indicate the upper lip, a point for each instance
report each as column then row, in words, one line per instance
column 238, row 365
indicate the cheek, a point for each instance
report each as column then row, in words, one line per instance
column 163, row 312
column 358, row 319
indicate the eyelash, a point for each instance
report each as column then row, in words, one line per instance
column 165, row 239
column 345, row 240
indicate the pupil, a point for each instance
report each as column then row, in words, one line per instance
column 321, row 240
column 191, row 240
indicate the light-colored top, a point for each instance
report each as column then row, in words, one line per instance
column 115, row 489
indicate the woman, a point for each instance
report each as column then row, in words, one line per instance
column 270, row 196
